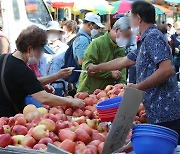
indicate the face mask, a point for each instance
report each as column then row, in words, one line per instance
column 32, row 60
column 135, row 30
column 122, row 42
column 94, row 32
column 52, row 37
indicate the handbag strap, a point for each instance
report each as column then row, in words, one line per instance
column 4, row 85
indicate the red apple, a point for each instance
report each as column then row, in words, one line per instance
column 120, row 86
column 17, row 140
column 103, row 99
column 113, row 96
column 42, row 111
column 51, row 116
column 95, row 143
column 100, row 147
column 30, row 131
column 116, row 91
column 19, row 130
column 93, row 148
column 143, row 118
column 91, row 108
column 28, row 141
column 78, row 113
column 32, row 115
column 2, row 130
column 61, row 116
column 90, row 101
column 40, row 132
column 5, row 140
column 4, row 121
column 53, row 136
column 79, row 120
column 20, row 120
column 121, row 93
column 36, row 121
column 97, row 91
column 57, row 143
column 82, row 95
column 82, row 135
column 60, row 125
column 11, row 121
column 79, row 147
column 93, row 96
column 108, row 88
column 69, row 112
column 30, row 125
column 7, row 129
column 101, row 95
column 50, row 125
column 45, row 141
column 91, row 123
column 68, row 145
column 98, row 136
column 46, row 107
column 54, row 110
column 60, row 108
column 66, row 134
column 41, row 147
column 88, row 113
column 29, row 109
column 86, row 128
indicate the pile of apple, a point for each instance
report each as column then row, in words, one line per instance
column 141, row 115
column 37, row 127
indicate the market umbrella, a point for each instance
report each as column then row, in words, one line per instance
column 116, row 6
column 63, row 3
column 124, row 7
column 163, row 9
column 103, row 9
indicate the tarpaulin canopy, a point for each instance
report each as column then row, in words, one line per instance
column 165, row 10
column 62, row 3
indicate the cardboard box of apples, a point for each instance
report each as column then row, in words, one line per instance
column 77, row 131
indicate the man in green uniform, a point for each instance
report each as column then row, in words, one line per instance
column 103, row 49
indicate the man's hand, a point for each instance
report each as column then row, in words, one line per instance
column 135, row 86
column 116, row 74
column 77, row 103
column 49, row 89
column 64, row 73
column 91, row 69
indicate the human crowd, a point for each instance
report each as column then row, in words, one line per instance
column 136, row 51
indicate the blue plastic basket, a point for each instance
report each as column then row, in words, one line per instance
column 110, row 103
column 32, row 100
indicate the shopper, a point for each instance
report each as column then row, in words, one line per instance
column 155, row 72
column 103, row 49
column 20, row 81
column 69, row 27
column 4, row 43
column 90, row 25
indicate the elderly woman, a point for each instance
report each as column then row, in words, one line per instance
column 18, row 81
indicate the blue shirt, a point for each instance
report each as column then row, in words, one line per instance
column 81, row 43
column 162, row 102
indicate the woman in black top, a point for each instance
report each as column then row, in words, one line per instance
column 20, row 80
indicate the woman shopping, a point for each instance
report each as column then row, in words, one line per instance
column 18, row 81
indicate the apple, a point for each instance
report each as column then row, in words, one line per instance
column 20, row 119
column 100, row 147
column 91, row 123
column 97, row 91
column 79, row 120
column 46, row 106
column 93, row 148
column 32, row 115
column 5, row 140
column 101, row 95
column 68, row 124
column 141, row 108
column 61, row 116
column 103, row 99
column 143, row 118
column 30, row 125
column 108, row 88
column 78, row 113
column 90, row 101
column 98, row 136
column 82, row 135
column 29, row 108
column 2, row 130
column 3, row 122
column 40, row 132
column 91, row 108
column 7, row 129
column 45, row 141
column 11, row 121
column 75, row 123
column 95, row 143
column 19, row 130
column 69, row 112
column 60, row 125
column 73, row 128
column 88, row 113
column 30, row 131
column 50, row 125
column 82, row 95
column 121, row 93
column 79, row 147
column 66, row 134
column 88, row 151
column 42, row 111
column 60, row 108
column 41, row 147
column 57, row 143
column 68, row 145
column 17, row 140
column 28, row 141
column 86, row 128
column 120, row 86
column 51, row 116
column 53, row 136
column 36, row 121
column 102, row 127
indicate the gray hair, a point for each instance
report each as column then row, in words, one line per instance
column 123, row 24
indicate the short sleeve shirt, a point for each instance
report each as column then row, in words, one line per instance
column 162, row 102
column 20, row 82
column 81, row 43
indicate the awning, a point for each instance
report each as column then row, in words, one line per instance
column 63, row 3
column 165, row 10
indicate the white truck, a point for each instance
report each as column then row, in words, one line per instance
column 16, row 15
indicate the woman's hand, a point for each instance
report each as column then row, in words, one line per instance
column 64, row 73
column 49, row 89
column 91, row 69
column 77, row 103
column 116, row 74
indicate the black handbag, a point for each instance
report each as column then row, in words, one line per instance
column 4, row 84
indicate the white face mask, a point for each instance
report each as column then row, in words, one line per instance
column 32, row 60
column 122, row 42
column 52, row 37
column 94, row 32
column 135, row 31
